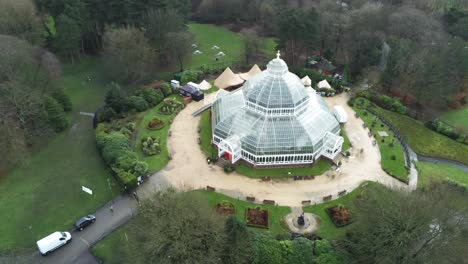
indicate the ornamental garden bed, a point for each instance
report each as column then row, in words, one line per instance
column 340, row 215
column 257, row 217
column 150, row 146
column 155, row 124
column 170, row 106
column 225, row 208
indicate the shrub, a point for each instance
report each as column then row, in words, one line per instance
column 393, row 157
column 106, row 115
column 155, row 124
column 166, row 89
column 55, row 114
column 150, row 146
column 138, row 103
column 151, row 95
column 62, row 99
column 442, row 128
column 228, row 168
column 116, row 98
column 170, row 106
column 190, row 76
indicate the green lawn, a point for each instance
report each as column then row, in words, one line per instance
column 346, row 142
column 429, row 172
column 158, row 161
column 111, row 249
column 206, row 36
column 276, row 212
column 318, row 168
column 327, row 229
column 457, row 118
column 395, row 167
column 425, row 141
column 205, row 133
column 44, row 195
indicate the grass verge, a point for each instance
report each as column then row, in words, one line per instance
column 457, row 118
column 429, row 172
column 392, row 157
column 44, row 195
column 327, row 229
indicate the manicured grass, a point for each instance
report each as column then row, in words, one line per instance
column 206, row 36
column 205, row 133
column 45, row 195
column 327, row 229
column 160, row 160
column 425, row 141
column 276, row 212
column 346, row 142
column 429, row 172
column 318, row 168
column 457, row 118
column 395, row 167
column 111, row 250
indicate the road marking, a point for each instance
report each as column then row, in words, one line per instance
column 86, row 242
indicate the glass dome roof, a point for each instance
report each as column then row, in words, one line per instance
column 272, row 114
column 275, row 87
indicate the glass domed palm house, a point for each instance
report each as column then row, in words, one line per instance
column 274, row 120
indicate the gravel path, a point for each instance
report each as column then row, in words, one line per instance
column 189, row 169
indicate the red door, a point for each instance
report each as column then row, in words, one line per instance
column 227, row 155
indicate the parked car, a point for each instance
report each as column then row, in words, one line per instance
column 53, row 241
column 84, row 222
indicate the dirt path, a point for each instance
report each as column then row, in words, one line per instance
column 188, row 167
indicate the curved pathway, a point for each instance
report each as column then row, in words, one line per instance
column 189, row 169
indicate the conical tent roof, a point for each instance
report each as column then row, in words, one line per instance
column 252, row 72
column 306, row 81
column 228, row 79
column 204, row 85
column 324, row 85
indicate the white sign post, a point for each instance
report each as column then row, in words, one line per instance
column 87, row 190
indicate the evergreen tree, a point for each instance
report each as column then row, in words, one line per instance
column 56, row 116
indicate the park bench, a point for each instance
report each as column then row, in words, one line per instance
column 327, row 198
column 250, row 198
column 211, row 189
column 342, row 193
column 270, row 202
column 306, row 202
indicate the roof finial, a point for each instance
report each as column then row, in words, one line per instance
column 278, row 54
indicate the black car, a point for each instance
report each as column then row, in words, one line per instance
column 84, row 222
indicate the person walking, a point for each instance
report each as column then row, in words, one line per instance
column 111, row 208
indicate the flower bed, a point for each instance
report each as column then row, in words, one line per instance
column 150, row 146
column 339, row 215
column 169, row 106
column 155, row 124
column 257, row 217
column 225, row 208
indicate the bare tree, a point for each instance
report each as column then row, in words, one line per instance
column 19, row 18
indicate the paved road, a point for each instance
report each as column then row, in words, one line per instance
column 77, row 251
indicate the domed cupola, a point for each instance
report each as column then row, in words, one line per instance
column 275, row 91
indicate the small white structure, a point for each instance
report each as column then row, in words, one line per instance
column 220, row 54
column 193, row 85
column 194, row 46
column 323, row 84
column 175, row 83
column 215, row 47
column 204, row 85
column 340, row 114
column 87, row 190
column 197, row 52
column 307, row 81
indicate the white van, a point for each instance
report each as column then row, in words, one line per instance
column 53, row 241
